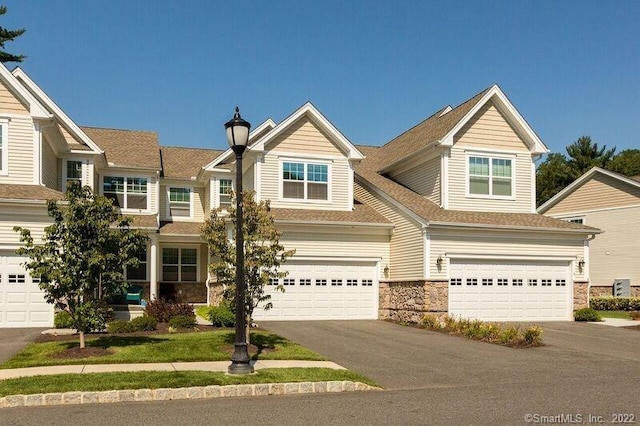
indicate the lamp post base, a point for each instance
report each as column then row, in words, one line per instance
column 240, row 360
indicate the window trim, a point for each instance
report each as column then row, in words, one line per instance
column 218, row 183
column 168, row 204
column 65, row 177
column 306, row 163
column 180, row 248
column 490, row 156
column 4, row 146
column 125, row 177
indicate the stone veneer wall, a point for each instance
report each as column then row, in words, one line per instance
column 410, row 300
column 215, row 294
column 580, row 294
column 599, row 291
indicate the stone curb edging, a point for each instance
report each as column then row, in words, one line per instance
column 166, row 394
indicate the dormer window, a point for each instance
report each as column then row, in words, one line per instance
column 305, row 181
column 128, row 193
column 73, row 172
column 180, row 202
column 489, row 176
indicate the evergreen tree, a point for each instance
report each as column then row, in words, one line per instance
column 585, row 154
column 627, row 162
column 9, row 35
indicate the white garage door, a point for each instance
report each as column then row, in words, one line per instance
column 510, row 291
column 22, row 302
column 323, row 291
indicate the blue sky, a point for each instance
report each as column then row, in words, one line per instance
column 374, row 68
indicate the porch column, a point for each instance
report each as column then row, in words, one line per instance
column 153, row 269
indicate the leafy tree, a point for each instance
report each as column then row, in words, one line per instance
column 585, row 154
column 552, row 176
column 263, row 252
column 626, row 162
column 83, row 255
column 9, row 35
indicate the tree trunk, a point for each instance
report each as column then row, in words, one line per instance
column 81, row 339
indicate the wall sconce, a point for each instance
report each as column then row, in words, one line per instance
column 581, row 263
column 386, row 270
column 439, row 261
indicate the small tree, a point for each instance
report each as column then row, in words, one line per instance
column 263, row 252
column 83, row 256
column 8, row 35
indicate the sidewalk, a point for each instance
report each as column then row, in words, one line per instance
column 617, row 322
column 219, row 366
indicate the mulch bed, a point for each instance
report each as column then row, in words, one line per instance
column 77, row 352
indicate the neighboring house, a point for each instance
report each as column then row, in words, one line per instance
column 611, row 202
column 441, row 219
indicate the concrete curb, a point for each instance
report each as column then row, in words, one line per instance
column 167, row 394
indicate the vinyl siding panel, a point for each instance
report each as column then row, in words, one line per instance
column 487, row 131
column 616, row 252
column 306, row 138
column 20, row 150
column 599, row 192
column 501, row 244
column 423, row 179
column 198, row 194
column 336, row 242
column 198, row 204
column 49, row 166
column 10, row 103
column 407, row 241
column 35, row 219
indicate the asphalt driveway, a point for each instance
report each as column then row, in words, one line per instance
column 12, row 340
column 401, row 357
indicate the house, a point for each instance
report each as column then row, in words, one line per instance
column 611, row 202
column 441, row 219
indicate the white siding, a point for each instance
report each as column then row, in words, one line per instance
column 407, row 241
column 423, row 179
column 49, row 166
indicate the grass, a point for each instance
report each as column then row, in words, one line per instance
column 199, row 346
column 158, row 379
column 615, row 314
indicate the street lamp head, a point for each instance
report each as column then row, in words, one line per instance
column 237, row 132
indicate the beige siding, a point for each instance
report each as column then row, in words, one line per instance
column 337, row 242
column 10, row 103
column 498, row 244
column 49, row 166
column 407, row 241
column 599, row 192
column 304, row 137
column 423, row 178
column 206, row 201
column 198, row 206
column 198, row 200
column 338, row 185
column 489, row 129
column 21, row 134
column 35, row 219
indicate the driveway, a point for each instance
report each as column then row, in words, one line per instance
column 12, row 340
column 401, row 357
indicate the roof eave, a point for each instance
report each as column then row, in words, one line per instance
column 438, row 224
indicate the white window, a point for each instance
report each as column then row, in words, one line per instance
column 180, row 202
column 72, row 172
column 305, row 181
column 4, row 139
column 179, row 264
column 126, row 192
column 490, row 176
column 225, row 186
column 138, row 273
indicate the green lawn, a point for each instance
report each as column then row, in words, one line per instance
column 615, row 314
column 158, row 379
column 198, row 346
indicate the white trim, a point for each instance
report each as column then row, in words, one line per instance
column 471, row 256
column 168, row 204
column 585, row 269
column 444, row 179
column 352, row 259
column 582, row 179
column 350, row 177
column 36, row 109
column 427, row 254
column 64, row 172
column 477, row 154
column 126, row 176
column 333, row 223
column 533, row 190
column 4, row 140
column 257, row 177
column 37, row 154
column 305, row 182
column 233, row 185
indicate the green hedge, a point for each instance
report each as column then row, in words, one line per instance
column 587, row 314
column 610, row 303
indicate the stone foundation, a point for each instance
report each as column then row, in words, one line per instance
column 409, row 301
column 215, row 294
column 183, row 292
column 580, row 295
column 607, row 290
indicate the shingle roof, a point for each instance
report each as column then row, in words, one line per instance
column 178, row 162
column 29, row 192
column 127, row 148
column 426, row 133
column 361, row 214
column 180, row 228
column 144, row 221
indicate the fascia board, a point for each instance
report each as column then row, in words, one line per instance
column 36, row 109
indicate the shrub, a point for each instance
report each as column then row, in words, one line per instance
column 119, row 326
column 62, row 319
column 610, row 303
column 532, row 335
column 509, row 335
column 473, row 329
column 144, row 323
column 634, row 315
column 222, row 316
column 586, row 314
column 182, row 322
column 490, row 332
column 430, row 322
column 163, row 310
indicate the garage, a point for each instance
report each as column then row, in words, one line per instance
column 324, row 290
column 493, row 290
column 22, row 302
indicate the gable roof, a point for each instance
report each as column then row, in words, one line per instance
column 127, row 148
column 185, row 163
column 633, row 182
column 440, row 128
column 36, row 109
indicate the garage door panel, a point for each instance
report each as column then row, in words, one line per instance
column 508, row 292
